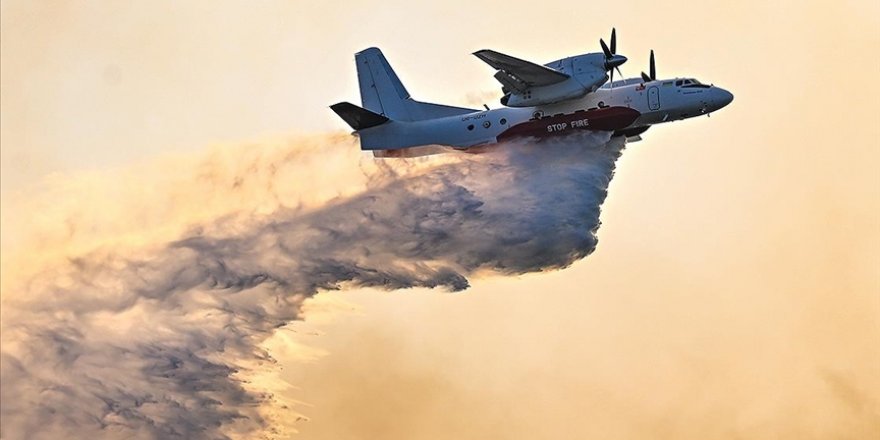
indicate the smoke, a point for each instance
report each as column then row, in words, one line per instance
column 138, row 306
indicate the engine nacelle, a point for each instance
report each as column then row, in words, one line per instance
column 587, row 73
column 568, row 89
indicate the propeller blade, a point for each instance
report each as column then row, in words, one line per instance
column 645, row 77
column 613, row 41
column 653, row 68
column 618, row 71
column 605, row 48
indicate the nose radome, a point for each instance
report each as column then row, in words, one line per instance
column 724, row 97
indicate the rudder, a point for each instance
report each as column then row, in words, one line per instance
column 384, row 94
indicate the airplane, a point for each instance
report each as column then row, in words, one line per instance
column 561, row 97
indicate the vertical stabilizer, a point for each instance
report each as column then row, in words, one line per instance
column 383, row 93
column 381, row 89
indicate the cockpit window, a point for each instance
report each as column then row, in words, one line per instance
column 693, row 83
column 678, row 83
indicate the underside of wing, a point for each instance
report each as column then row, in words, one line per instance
column 516, row 74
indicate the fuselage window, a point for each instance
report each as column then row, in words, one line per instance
column 471, row 127
column 503, row 121
column 487, row 124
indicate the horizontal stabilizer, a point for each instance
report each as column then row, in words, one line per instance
column 358, row 118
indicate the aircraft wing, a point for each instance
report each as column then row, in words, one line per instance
column 516, row 74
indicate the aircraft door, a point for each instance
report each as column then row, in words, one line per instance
column 654, row 98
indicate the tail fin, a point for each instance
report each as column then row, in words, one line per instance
column 383, row 93
column 381, row 89
column 357, row 117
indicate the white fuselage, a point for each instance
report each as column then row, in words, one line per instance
column 655, row 101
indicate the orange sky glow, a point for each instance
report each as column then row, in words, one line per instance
column 735, row 290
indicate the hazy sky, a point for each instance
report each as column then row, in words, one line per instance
column 735, row 292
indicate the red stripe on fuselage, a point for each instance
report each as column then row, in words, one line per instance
column 603, row 119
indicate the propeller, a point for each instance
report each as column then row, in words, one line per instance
column 612, row 60
column 652, row 69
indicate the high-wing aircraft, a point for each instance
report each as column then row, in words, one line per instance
column 557, row 98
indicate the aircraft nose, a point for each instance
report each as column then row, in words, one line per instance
column 723, row 97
